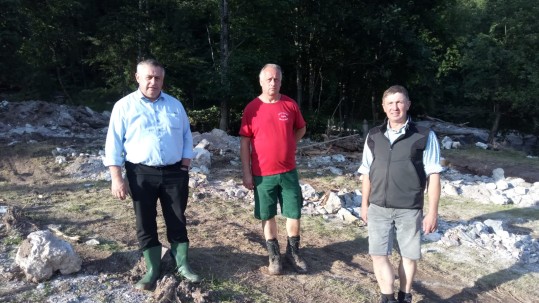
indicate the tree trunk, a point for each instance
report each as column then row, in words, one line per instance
column 495, row 124
column 224, row 109
column 311, row 84
column 299, row 86
column 142, row 34
column 373, row 108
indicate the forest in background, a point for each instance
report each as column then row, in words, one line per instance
column 464, row 61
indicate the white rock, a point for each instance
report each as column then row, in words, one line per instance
column 446, row 143
column 450, row 190
column 521, row 190
column 481, row 145
column 499, row 199
column 202, row 157
column 335, row 171
column 347, row 216
column 498, row 174
column 42, row 254
column 502, row 185
column 456, row 145
column 338, row 158
column 333, row 203
column 92, row 242
column 432, row 237
column 308, row 192
column 490, row 186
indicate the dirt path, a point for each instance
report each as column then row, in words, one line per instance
column 227, row 245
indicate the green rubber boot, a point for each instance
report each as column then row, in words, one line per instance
column 152, row 257
column 179, row 253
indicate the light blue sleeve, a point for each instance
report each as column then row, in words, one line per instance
column 366, row 159
column 431, row 155
column 187, row 137
column 114, row 143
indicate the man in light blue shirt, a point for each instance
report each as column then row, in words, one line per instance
column 149, row 134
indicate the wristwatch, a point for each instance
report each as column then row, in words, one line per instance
column 184, row 167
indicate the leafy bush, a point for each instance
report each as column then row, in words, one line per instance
column 204, row 120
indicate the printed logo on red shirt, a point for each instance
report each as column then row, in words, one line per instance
column 283, row 116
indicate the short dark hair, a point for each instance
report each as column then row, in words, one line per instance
column 394, row 90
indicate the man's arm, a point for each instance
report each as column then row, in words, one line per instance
column 186, row 162
column 118, row 186
column 430, row 221
column 245, row 155
column 300, row 132
column 365, row 193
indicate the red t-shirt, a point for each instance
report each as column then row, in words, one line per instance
column 271, row 127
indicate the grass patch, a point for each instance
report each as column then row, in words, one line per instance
column 231, row 291
column 510, row 157
column 13, row 240
column 319, row 226
column 109, row 246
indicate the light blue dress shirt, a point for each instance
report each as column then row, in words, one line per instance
column 150, row 133
column 431, row 155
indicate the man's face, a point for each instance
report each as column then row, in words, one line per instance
column 395, row 106
column 150, row 80
column 270, row 81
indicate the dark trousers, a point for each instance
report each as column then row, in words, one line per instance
column 169, row 185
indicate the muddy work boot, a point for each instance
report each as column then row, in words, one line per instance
column 274, row 267
column 179, row 252
column 152, row 257
column 404, row 297
column 293, row 256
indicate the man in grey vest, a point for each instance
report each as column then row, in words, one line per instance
column 400, row 160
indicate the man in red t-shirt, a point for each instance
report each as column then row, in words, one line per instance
column 271, row 126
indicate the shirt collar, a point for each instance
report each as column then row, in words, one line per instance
column 400, row 130
column 143, row 98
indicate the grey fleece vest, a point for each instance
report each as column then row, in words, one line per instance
column 397, row 174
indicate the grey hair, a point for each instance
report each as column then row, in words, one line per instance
column 271, row 65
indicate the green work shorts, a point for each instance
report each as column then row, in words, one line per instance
column 282, row 189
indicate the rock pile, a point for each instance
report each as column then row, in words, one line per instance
column 52, row 120
column 489, row 235
column 495, row 189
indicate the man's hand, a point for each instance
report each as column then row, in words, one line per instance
column 364, row 211
column 248, row 181
column 430, row 223
column 119, row 189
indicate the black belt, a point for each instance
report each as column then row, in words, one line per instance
column 171, row 166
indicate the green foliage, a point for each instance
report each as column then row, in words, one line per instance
column 337, row 56
column 13, row 240
column 204, row 120
column 316, row 126
column 99, row 98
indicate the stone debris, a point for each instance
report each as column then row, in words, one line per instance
column 489, row 235
column 448, row 143
column 42, row 254
column 491, row 190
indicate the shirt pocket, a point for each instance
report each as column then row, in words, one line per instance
column 173, row 120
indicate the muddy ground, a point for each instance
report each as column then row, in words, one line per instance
column 227, row 245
